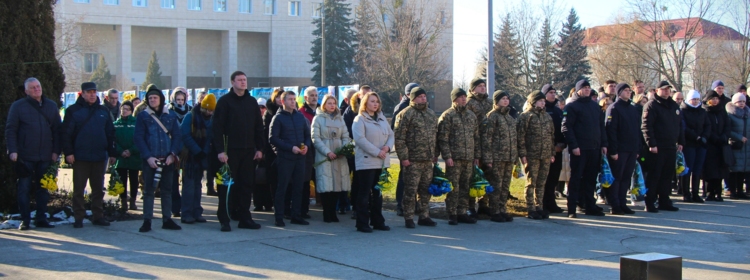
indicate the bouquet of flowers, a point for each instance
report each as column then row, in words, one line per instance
column 605, row 175
column 49, row 180
column 682, row 168
column 115, row 186
column 639, row 188
column 440, row 185
column 344, row 151
column 518, row 170
column 479, row 185
column 384, row 182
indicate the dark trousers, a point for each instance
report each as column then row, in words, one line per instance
column 622, row 170
column 132, row 176
column 329, row 201
column 343, row 202
column 149, row 187
column 736, row 181
column 583, row 171
column 290, row 173
column 552, row 179
column 353, row 192
column 30, row 182
column 713, row 187
column 400, row 189
column 262, row 196
column 659, row 179
column 694, row 159
column 176, row 196
column 369, row 200
column 243, row 172
column 93, row 173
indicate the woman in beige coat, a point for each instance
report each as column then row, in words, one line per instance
column 329, row 133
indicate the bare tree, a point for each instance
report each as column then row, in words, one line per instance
column 71, row 43
column 405, row 44
column 734, row 53
column 663, row 34
column 610, row 62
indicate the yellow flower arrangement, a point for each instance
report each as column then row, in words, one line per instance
column 115, row 186
column 49, row 180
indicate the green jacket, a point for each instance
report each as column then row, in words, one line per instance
column 499, row 140
column 458, row 134
column 415, row 134
column 536, row 134
column 124, row 130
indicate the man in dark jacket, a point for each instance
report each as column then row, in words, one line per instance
column 725, row 98
column 290, row 139
column 33, row 142
column 550, row 105
column 662, row 128
column 238, row 131
column 400, row 184
column 623, row 135
column 88, row 141
column 112, row 103
column 583, row 126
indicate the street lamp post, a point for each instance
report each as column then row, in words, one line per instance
column 214, row 83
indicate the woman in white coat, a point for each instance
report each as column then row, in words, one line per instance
column 329, row 133
column 373, row 140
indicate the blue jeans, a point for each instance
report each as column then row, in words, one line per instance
column 35, row 170
column 166, row 191
column 192, row 175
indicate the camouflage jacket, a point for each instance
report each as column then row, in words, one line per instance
column 536, row 134
column 479, row 106
column 415, row 134
column 458, row 134
column 499, row 141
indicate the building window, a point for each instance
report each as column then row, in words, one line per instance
column 220, row 5
column 194, row 5
column 317, row 9
column 294, row 8
column 269, row 7
column 111, row 2
column 82, row 1
column 140, row 3
column 90, row 62
column 246, row 6
column 167, row 4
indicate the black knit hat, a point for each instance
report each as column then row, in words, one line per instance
column 546, row 88
column 534, row 96
column 663, row 84
column 456, row 93
column 477, row 81
column 582, row 83
column 711, row 94
column 499, row 94
column 416, row 91
column 741, row 87
column 620, row 87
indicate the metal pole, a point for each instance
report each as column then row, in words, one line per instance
column 490, row 52
column 323, row 45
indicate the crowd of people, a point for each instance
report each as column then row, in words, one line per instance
column 270, row 153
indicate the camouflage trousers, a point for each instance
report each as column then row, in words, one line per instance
column 499, row 176
column 417, row 179
column 536, row 177
column 460, row 174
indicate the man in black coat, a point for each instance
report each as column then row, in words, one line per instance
column 662, row 128
column 32, row 134
column 400, row 184
column 583, row 126
column 550, row 105
column 624, row 137
column 237, row 121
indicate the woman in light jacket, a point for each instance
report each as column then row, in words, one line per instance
column 329, row 133
column 373, row 140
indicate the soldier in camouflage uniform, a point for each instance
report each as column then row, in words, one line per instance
column 458, row 140
column 480, row 105
column 499, row 154
column 536, row 147
column 416, row 130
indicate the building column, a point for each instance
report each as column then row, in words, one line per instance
column 228, row 56
column 179, row 76
column 124, row 56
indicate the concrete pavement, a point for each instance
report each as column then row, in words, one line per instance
column 712, row 238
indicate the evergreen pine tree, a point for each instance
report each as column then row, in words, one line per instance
column 153, row 73
column 571, row 55
column 543, row 63
column 340, row 44
column 507, row 58
column 364, row 27
column 28, row 50
column 101, row 75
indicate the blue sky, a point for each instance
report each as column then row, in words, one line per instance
column 470, row 24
